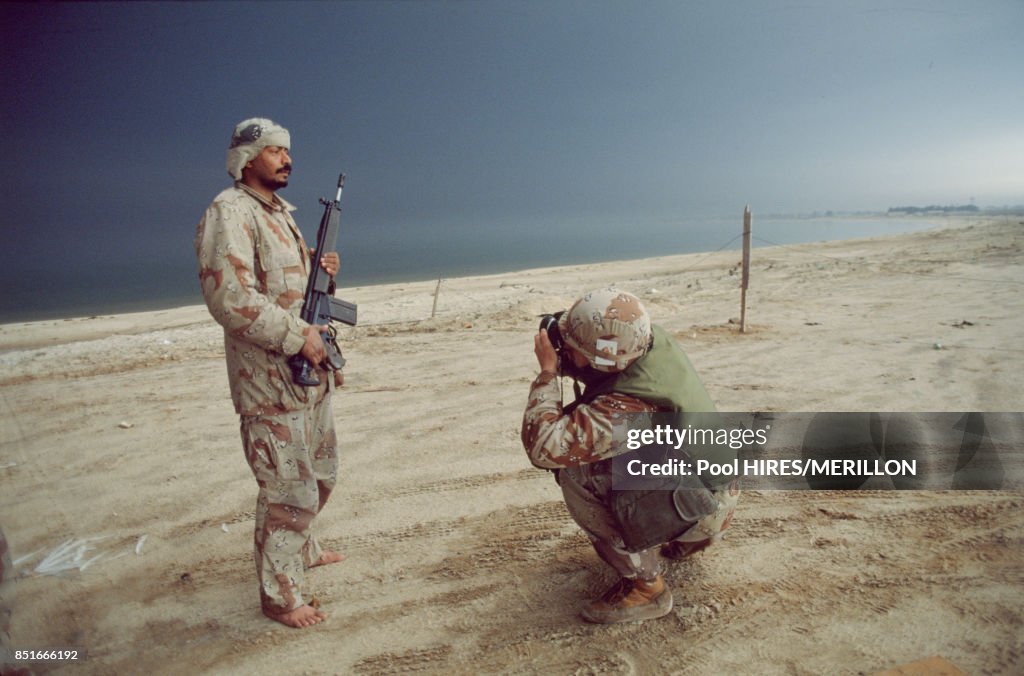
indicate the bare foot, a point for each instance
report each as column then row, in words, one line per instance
column 299, row 618
column 328, row 557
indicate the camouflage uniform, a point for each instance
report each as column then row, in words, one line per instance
column 253, row 267
column 575, row 445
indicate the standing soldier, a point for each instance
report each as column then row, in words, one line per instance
column 629, row 368
column 253, row 268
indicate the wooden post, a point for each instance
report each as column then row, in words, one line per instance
column 746, row 269
column 437, row 292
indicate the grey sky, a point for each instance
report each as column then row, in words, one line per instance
column 503, row 114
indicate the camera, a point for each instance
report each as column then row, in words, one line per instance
column 549, row 324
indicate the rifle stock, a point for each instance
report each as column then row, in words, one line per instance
column 318, row 306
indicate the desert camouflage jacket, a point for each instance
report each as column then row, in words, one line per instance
column 592, row 432
column 253, row 268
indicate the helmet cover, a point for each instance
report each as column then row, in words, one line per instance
column 611, row 328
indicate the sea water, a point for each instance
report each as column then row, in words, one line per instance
column 423, row 251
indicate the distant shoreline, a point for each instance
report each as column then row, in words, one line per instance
column 92, row 304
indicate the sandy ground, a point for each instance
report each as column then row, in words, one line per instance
column 462, row 557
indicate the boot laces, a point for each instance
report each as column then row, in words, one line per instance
column 619, row 590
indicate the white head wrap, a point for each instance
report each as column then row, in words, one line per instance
column 250, row 138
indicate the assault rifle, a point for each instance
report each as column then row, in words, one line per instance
column 318, row 305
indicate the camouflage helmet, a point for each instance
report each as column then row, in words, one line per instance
column 609, row 327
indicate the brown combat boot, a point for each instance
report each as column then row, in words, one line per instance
column 630, row 601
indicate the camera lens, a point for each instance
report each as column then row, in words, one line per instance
column 549, row 324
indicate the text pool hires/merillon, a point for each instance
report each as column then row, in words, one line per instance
column 666, row 435
column 775, row 467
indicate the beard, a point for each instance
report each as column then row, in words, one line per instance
column 280, row 180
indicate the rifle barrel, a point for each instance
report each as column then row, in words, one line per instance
column 341, row 186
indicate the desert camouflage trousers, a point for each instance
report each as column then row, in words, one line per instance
column 294, row 458
column 587, row 499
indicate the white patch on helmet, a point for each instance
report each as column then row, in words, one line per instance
column 606, row 346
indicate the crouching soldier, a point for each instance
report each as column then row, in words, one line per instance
column 628, row 368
